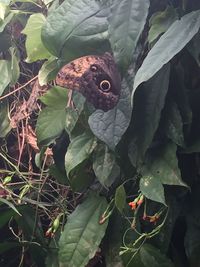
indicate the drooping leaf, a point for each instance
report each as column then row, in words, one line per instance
column 120, row 198
column 76, row 28
column 34, row 46
column 111, row 125
column 105, row 166
column 169, row 44
column 152, row 188
column 79, row 150
column 5, row 201
column 149, row 102
column 82, row 233
column 162, row 164
column 160, row 22
column 6, row 76
column 51, row 120
column 126, row 22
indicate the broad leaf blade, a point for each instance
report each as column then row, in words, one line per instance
column 111, row 125
column 82, row 233
column 51, row 120
column 76, row 28
column 79, row 150
column 126, row 22
column 152, row 188
column 170, row 43
column 149, row 102
column 105, row 166
column 162, row 164
column 34, row 46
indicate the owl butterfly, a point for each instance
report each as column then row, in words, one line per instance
column 96, row 77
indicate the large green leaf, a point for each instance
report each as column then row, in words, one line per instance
column 5, row 75
column 126, row 22
column 162, row 164
column 79, row 150
column 82, row 233
column 52, row 119
column 161, row 21
column 152, row 188
column 170, row 43
column 34, row 46
column 149, row 102
column 111, row 125
column 76, row 28
column 105, row 166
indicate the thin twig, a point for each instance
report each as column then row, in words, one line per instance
column 19, row 88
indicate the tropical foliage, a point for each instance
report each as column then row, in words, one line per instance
column 82, row 187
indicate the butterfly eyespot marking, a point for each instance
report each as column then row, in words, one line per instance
column 93, row 74
column 105, row 86
column 93, row 68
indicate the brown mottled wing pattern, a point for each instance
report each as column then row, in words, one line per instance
column 96, row 77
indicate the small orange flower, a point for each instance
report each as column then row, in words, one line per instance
column 133, row 205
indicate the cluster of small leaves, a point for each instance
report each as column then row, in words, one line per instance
column 145, row 151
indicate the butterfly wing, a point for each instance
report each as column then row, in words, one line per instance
column 96, row 77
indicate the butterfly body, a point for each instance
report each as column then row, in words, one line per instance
column 96, row 77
